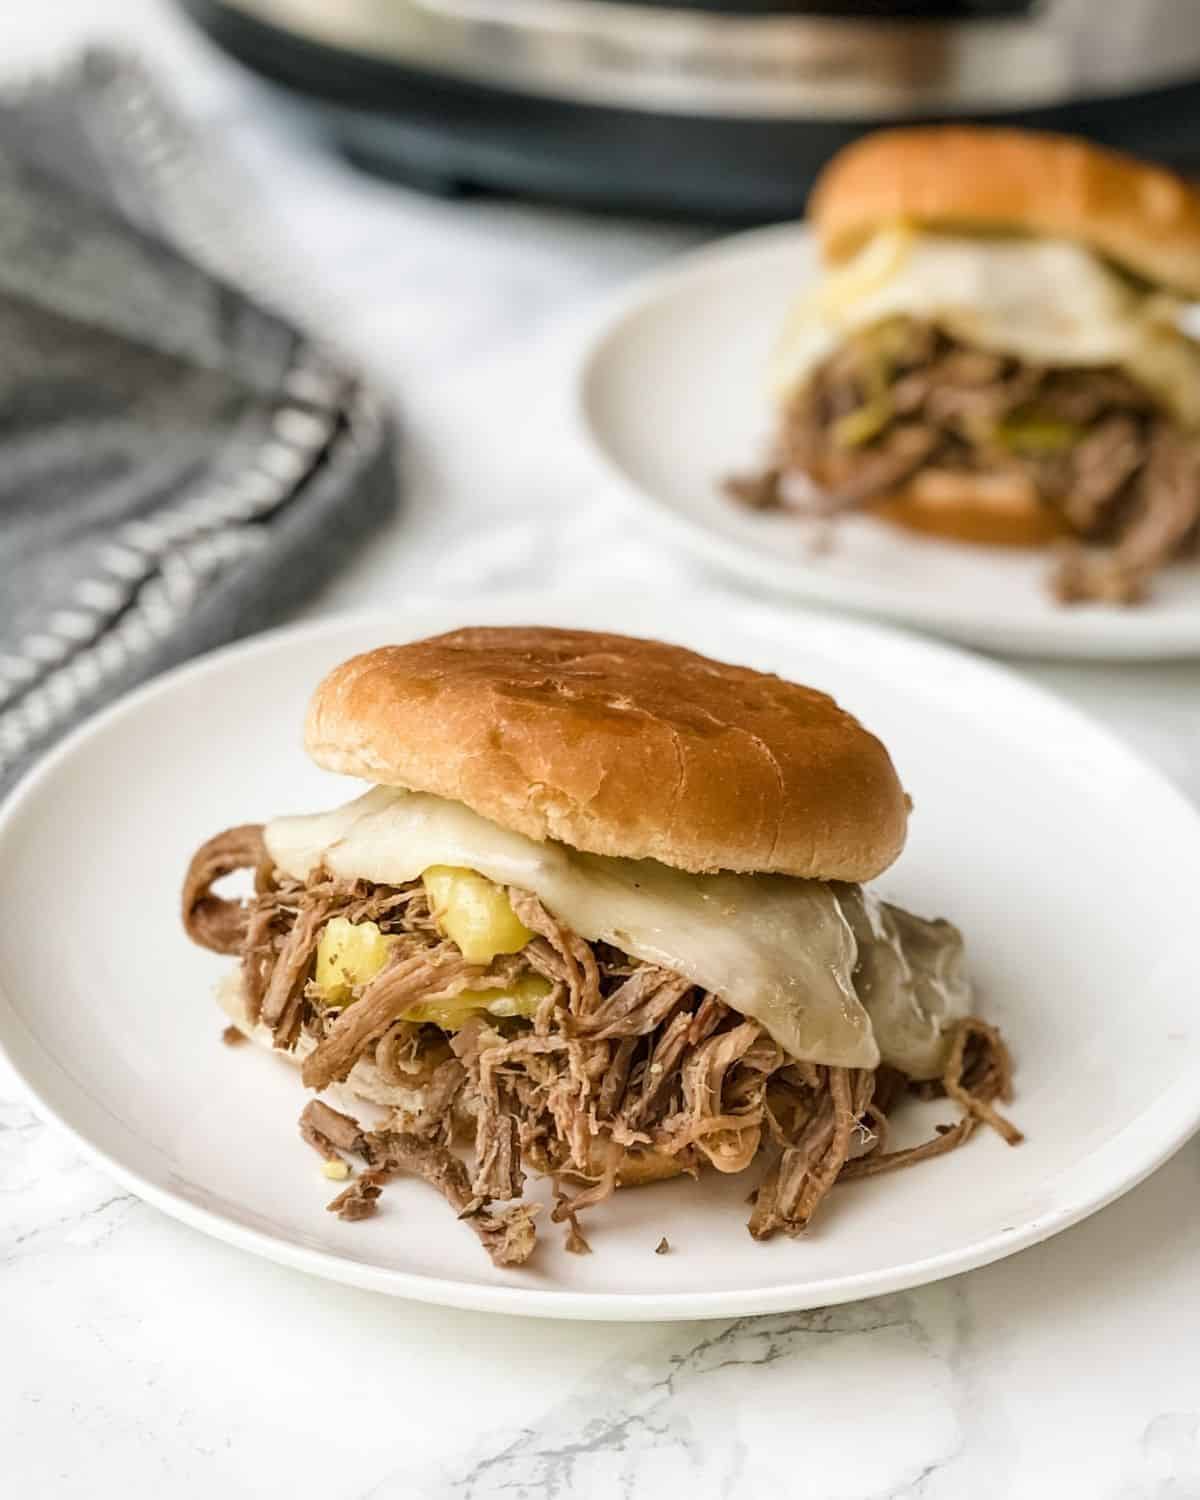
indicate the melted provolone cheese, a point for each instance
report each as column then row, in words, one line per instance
column 1046, row 301
column 911, row 977
column 779, row 950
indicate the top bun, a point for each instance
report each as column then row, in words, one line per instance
column 1141, row 217
column 620, row 747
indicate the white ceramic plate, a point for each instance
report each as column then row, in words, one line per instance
column 1073, row 869
column 673, row 399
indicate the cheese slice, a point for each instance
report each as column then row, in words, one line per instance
column 1045, row 301
column 779, row 950
column 911, row 977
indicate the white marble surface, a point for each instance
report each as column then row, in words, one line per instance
column 138, row 1358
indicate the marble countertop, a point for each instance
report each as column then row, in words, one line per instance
column 139, row 1358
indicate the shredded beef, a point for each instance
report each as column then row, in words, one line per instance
column 1083, row 396
column 626, row 1066
column 332, row 1127
column 435, row 1119
column 636, row 1007
column 896, row 458
column 978, row 1071
column 809, row 1167
column 413, row 975
column 283, row 999
column 570, row 960
column 759, row 491
column 210, row 921
column 905, row 402
column 1160, row 522
column 1102, row 464
column 358, row 1200
column 616, row 1075
column 507, row 1235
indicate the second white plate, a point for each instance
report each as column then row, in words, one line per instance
column 673, row 399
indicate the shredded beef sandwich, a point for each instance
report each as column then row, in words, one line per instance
column 996, row 353
column 599, row 918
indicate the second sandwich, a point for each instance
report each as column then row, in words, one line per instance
column 997, row 352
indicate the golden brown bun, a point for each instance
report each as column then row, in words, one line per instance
column 1000, row 509
column 639, row 1165
column 965, row 519
column 968, row 522
column 1142, row 217
column 619, row 747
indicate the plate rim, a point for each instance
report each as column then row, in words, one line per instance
column 1166, row 1123
column 1082, row 633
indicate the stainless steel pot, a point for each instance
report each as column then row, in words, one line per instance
column 713, row 107
column 723, row 61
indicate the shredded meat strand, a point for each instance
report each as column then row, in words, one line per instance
column 210, row 921
column 435, row 1120
column 638, row 1006
column 578, row 962
column 283, row 998
column 409, row 978
column 358, row 1201
column 978, row 1070
column 508, row 1236
column 892, row 1161
column 340, row 1130
column 626, row 1066
column 976, row 1076
column 806, row 1171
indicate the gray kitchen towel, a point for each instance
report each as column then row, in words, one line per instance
column 178, row 464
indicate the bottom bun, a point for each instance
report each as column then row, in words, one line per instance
column 988, row 510
column 638, row 1166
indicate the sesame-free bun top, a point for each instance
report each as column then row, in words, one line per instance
column 619, row 746
column 967, row 179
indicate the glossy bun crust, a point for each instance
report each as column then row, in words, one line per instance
column 619, row 746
